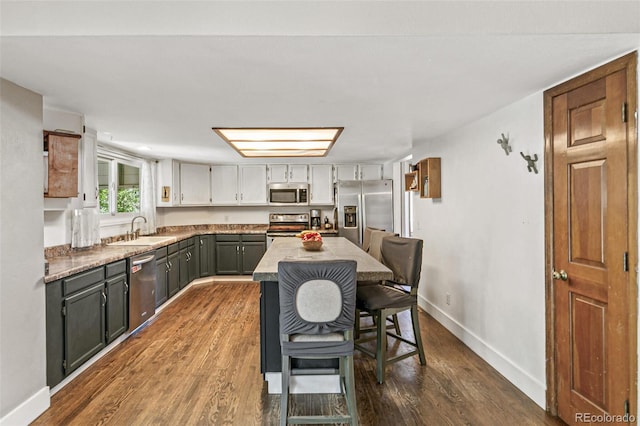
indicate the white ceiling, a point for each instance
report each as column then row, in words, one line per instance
column 394, row 74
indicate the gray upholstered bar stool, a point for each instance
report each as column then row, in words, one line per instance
column 374, row 243
column 404, row 257
column 317, row 313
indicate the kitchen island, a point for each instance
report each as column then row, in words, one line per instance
column 368, row 269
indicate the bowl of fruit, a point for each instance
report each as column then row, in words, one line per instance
column 311, row 241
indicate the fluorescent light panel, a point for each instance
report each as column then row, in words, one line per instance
column 280, row 142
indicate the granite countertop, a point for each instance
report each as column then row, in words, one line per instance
column 79, row 260
column 368, row 269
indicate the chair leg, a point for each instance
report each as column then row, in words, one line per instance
column 342, row 374
column 357, row 325
column 350, row 390
column 416, row 333
column 284, row 395
column 396, row 324
column 381, row 345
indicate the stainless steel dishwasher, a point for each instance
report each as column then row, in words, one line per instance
column 142, row 288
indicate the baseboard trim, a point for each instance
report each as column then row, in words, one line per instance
column 533, row 388
column 29, row 410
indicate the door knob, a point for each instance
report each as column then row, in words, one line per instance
column 562, row 275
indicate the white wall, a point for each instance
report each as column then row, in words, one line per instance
column 24, row 394
column 484, row 242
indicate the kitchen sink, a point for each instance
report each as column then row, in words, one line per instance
column 145, row 240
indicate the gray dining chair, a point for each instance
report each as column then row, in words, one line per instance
column 317, row 314
column 404, row 257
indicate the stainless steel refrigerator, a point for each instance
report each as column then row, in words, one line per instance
column 362, row 203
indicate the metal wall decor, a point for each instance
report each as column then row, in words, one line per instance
column 531, row 162
column 504, row 143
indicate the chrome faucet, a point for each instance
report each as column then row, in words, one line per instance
column 134, row 235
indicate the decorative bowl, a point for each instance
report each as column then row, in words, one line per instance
column 312, row 245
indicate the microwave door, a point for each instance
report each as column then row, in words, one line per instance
column 283, row 196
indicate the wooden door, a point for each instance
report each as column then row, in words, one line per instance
column 591, row 159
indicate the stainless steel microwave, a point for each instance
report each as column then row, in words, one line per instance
column 289, row 194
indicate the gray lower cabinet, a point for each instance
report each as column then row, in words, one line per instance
column 238, row 254
column 84, row 312
column 117, row 303
column 252, row 249
column 227, row 254
column 206, row 254
column 194, row 258
column 162, row 273
column 84, row 326
column 173, row 275
column 188, row 261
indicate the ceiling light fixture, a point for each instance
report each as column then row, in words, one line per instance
column 280, row 141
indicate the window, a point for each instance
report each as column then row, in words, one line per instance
column 118, row 186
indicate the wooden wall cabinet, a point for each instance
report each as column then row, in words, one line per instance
column 429, row 172
column 425, row 179
column 411, row 181
column 62, row 164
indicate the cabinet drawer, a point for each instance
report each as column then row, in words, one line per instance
column 116, row 268
column 254, row 237
column 161, row 252
column 184, row 243
column 173, row 248
column 234, row 238
column 80, row 281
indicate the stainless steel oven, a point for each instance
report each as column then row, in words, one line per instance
column 289, row 194
column 286, row 225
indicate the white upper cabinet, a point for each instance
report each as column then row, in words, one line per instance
column 253, row 184
column 358, row 172
column 298, row 173
column 89, row 172
column 168, row 182
column 295, row 173
column 346, row 172
column 321, row 184
column 224, row 185
column 195, row 184
column 370, row 171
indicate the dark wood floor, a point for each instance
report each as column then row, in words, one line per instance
column 198, row 363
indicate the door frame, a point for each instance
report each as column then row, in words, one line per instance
column 629, row 63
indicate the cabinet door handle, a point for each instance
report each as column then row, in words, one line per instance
column 242, row 249
column 170, row 265
column 201, row 242
column 104, row 298
column 167, row 267
column 126, row 288
column 237, row 249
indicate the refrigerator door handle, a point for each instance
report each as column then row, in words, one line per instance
column 363, row 217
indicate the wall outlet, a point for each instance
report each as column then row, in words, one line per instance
column 448, row 299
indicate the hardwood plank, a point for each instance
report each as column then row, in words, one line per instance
column 198, row 362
